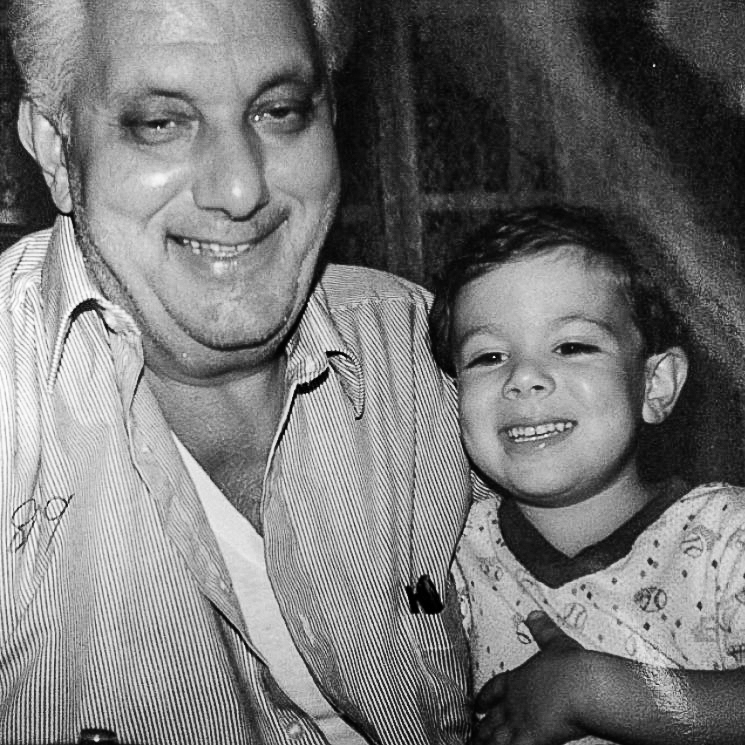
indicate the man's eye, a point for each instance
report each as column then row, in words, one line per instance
column 284, row 118
column 158, row 131
column 574, row 347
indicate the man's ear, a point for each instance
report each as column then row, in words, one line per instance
column 44, row 143
column 665, row 375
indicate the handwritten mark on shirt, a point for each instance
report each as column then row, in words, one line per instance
column 31, row 513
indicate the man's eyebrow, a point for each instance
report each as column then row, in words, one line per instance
column 295, row 76
column 138, row 94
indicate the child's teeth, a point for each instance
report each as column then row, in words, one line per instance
column 533, row 432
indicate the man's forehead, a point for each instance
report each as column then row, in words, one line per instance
column 194, row 45
column 176, row 21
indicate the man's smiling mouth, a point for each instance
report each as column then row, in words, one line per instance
column 259, row 230
column 217, row 250
column 538, row 432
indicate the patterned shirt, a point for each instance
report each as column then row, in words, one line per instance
column 117, row 608
column 667, row 588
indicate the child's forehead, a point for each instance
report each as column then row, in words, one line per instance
column 563, row 259
column 562, row 252
column 553, row 286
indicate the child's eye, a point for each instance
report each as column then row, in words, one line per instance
column 570, row 348
column 487, row 358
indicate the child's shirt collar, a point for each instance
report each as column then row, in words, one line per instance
column 553, row 568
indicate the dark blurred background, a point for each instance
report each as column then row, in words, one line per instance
column 450, row 110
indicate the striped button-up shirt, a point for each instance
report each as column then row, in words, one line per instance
column 117, row 610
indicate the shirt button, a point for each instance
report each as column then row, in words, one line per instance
column 295, row 731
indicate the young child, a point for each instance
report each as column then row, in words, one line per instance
column 563, row 348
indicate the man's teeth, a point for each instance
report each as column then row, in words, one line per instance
column 538, row 432
column 216, row 249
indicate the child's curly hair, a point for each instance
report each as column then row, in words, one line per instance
column 515, row 234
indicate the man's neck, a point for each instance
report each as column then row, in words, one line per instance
column 228, row 425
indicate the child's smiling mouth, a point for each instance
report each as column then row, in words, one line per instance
column 538, row 432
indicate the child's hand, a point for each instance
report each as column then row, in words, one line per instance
column 565, row 692
column 534, row 703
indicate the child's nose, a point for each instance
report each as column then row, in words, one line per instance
column 527, row 378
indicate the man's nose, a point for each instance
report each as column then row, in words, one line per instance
column 528, row 378
column 230, row 174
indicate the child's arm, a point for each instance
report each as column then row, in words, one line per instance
column 565, row 692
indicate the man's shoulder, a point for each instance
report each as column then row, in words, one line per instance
column 346, row 286
column 22, row 261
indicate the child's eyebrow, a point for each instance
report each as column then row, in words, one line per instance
column 482, row 328
column 579, row 317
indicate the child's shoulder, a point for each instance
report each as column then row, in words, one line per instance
column 716, row 491
column 717, row 501
column 482, row 530
column 485, row 502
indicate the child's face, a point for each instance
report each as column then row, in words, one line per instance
column 551, row 377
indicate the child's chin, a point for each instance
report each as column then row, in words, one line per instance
column 543, row 495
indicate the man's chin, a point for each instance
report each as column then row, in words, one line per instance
column 243, row 344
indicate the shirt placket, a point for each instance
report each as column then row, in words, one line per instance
column 298, row 729
column 186, row 526
column 157, row 463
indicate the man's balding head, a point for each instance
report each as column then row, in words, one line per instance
column 49, row 38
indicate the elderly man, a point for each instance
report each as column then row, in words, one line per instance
column 231, row 479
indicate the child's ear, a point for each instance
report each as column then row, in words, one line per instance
column 44, row 143
column 665, row 375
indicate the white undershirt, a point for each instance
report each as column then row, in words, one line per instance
column 243, row 550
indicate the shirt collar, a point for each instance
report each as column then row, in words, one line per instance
column 554, row 568
column 67, row 287
column 318, row 344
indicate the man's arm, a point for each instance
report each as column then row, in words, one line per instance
column 566, row 692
